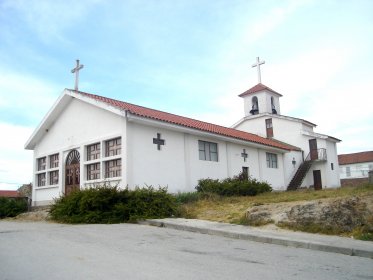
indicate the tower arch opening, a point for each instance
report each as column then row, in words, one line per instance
column 254, row 106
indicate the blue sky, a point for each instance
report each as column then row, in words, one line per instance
column 186, row 57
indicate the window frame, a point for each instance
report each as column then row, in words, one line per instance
column 95, row 172
column 54, row 161
column 348, row 171
column 54, row 176
column 42, row 182
column 272, row 160
column 269, row 127
column 103, row 160
column 42, row 163
column 208, row 151
column 115, row 168
column 112, row 147
column 93, row 151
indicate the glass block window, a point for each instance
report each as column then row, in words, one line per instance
column 53, row 177
column 93, row 171
column 113, row 168
column 113, row 147
column 208, row 151
column 42, row 163
column 41, row 179
column 271, row 160
column 93, row 151
column 53, row 161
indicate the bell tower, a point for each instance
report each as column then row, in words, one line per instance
column 260, row 99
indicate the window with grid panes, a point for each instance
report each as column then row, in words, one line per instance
column 271, row 160
column 113, row 168
column 41, row 179
column 93, row 171
column 93, row 151
column 208, row 150
column 113, row 147
column 53, row 161
column 53, row 177
column 42, row 163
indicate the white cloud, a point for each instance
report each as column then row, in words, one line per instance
column 26, row 97
column 15, row 162
column 267, row 22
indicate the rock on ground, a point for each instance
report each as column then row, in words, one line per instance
column 342, row 214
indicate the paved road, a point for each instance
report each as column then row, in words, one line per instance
column 124, row 251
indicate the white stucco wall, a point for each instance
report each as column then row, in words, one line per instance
column 357, row 170
column 78, row 125
column 236, row 161
column 273, row 176
column 298, row 134
column 333, row 176
column 177, row 164
column 149, row 166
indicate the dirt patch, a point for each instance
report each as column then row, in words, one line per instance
column 34, row 216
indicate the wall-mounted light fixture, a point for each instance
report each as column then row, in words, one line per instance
column 294, row 162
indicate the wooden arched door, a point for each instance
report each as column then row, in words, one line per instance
column 72, row 172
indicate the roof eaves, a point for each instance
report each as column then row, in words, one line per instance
column 257, row 88
column 282, row 146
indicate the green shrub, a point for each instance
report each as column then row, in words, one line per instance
column 107, row 204
column 187, row 197
column 240, row 185
column 11, row 207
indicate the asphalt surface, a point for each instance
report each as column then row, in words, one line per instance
column 40, row 250
column 318, row 242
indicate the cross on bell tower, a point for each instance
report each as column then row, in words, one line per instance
column 257, row 64
column 76, row 71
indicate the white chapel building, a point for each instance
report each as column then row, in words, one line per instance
column 87, row 139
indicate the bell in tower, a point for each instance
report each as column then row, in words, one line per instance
column 273, row 106
column 255, row 106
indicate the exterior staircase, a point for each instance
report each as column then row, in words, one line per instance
column 299, row 175
column 314, row 155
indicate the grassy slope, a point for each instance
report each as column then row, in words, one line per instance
column 231, row 209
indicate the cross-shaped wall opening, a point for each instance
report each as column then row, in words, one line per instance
column 158, row 141
column 244, row 154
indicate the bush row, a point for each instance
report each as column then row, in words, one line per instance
column 11, row 207
column 106, row 204
column 240, row 185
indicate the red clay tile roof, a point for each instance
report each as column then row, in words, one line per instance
column 355, row 158
column 9, row 194
column 258, row 87
column 188, row 122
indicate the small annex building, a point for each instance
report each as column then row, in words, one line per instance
column 87, row 139
column 355, row 168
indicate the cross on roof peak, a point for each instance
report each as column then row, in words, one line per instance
column 76, row 71
column 257, row 64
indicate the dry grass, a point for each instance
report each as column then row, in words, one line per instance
column 231, row 209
